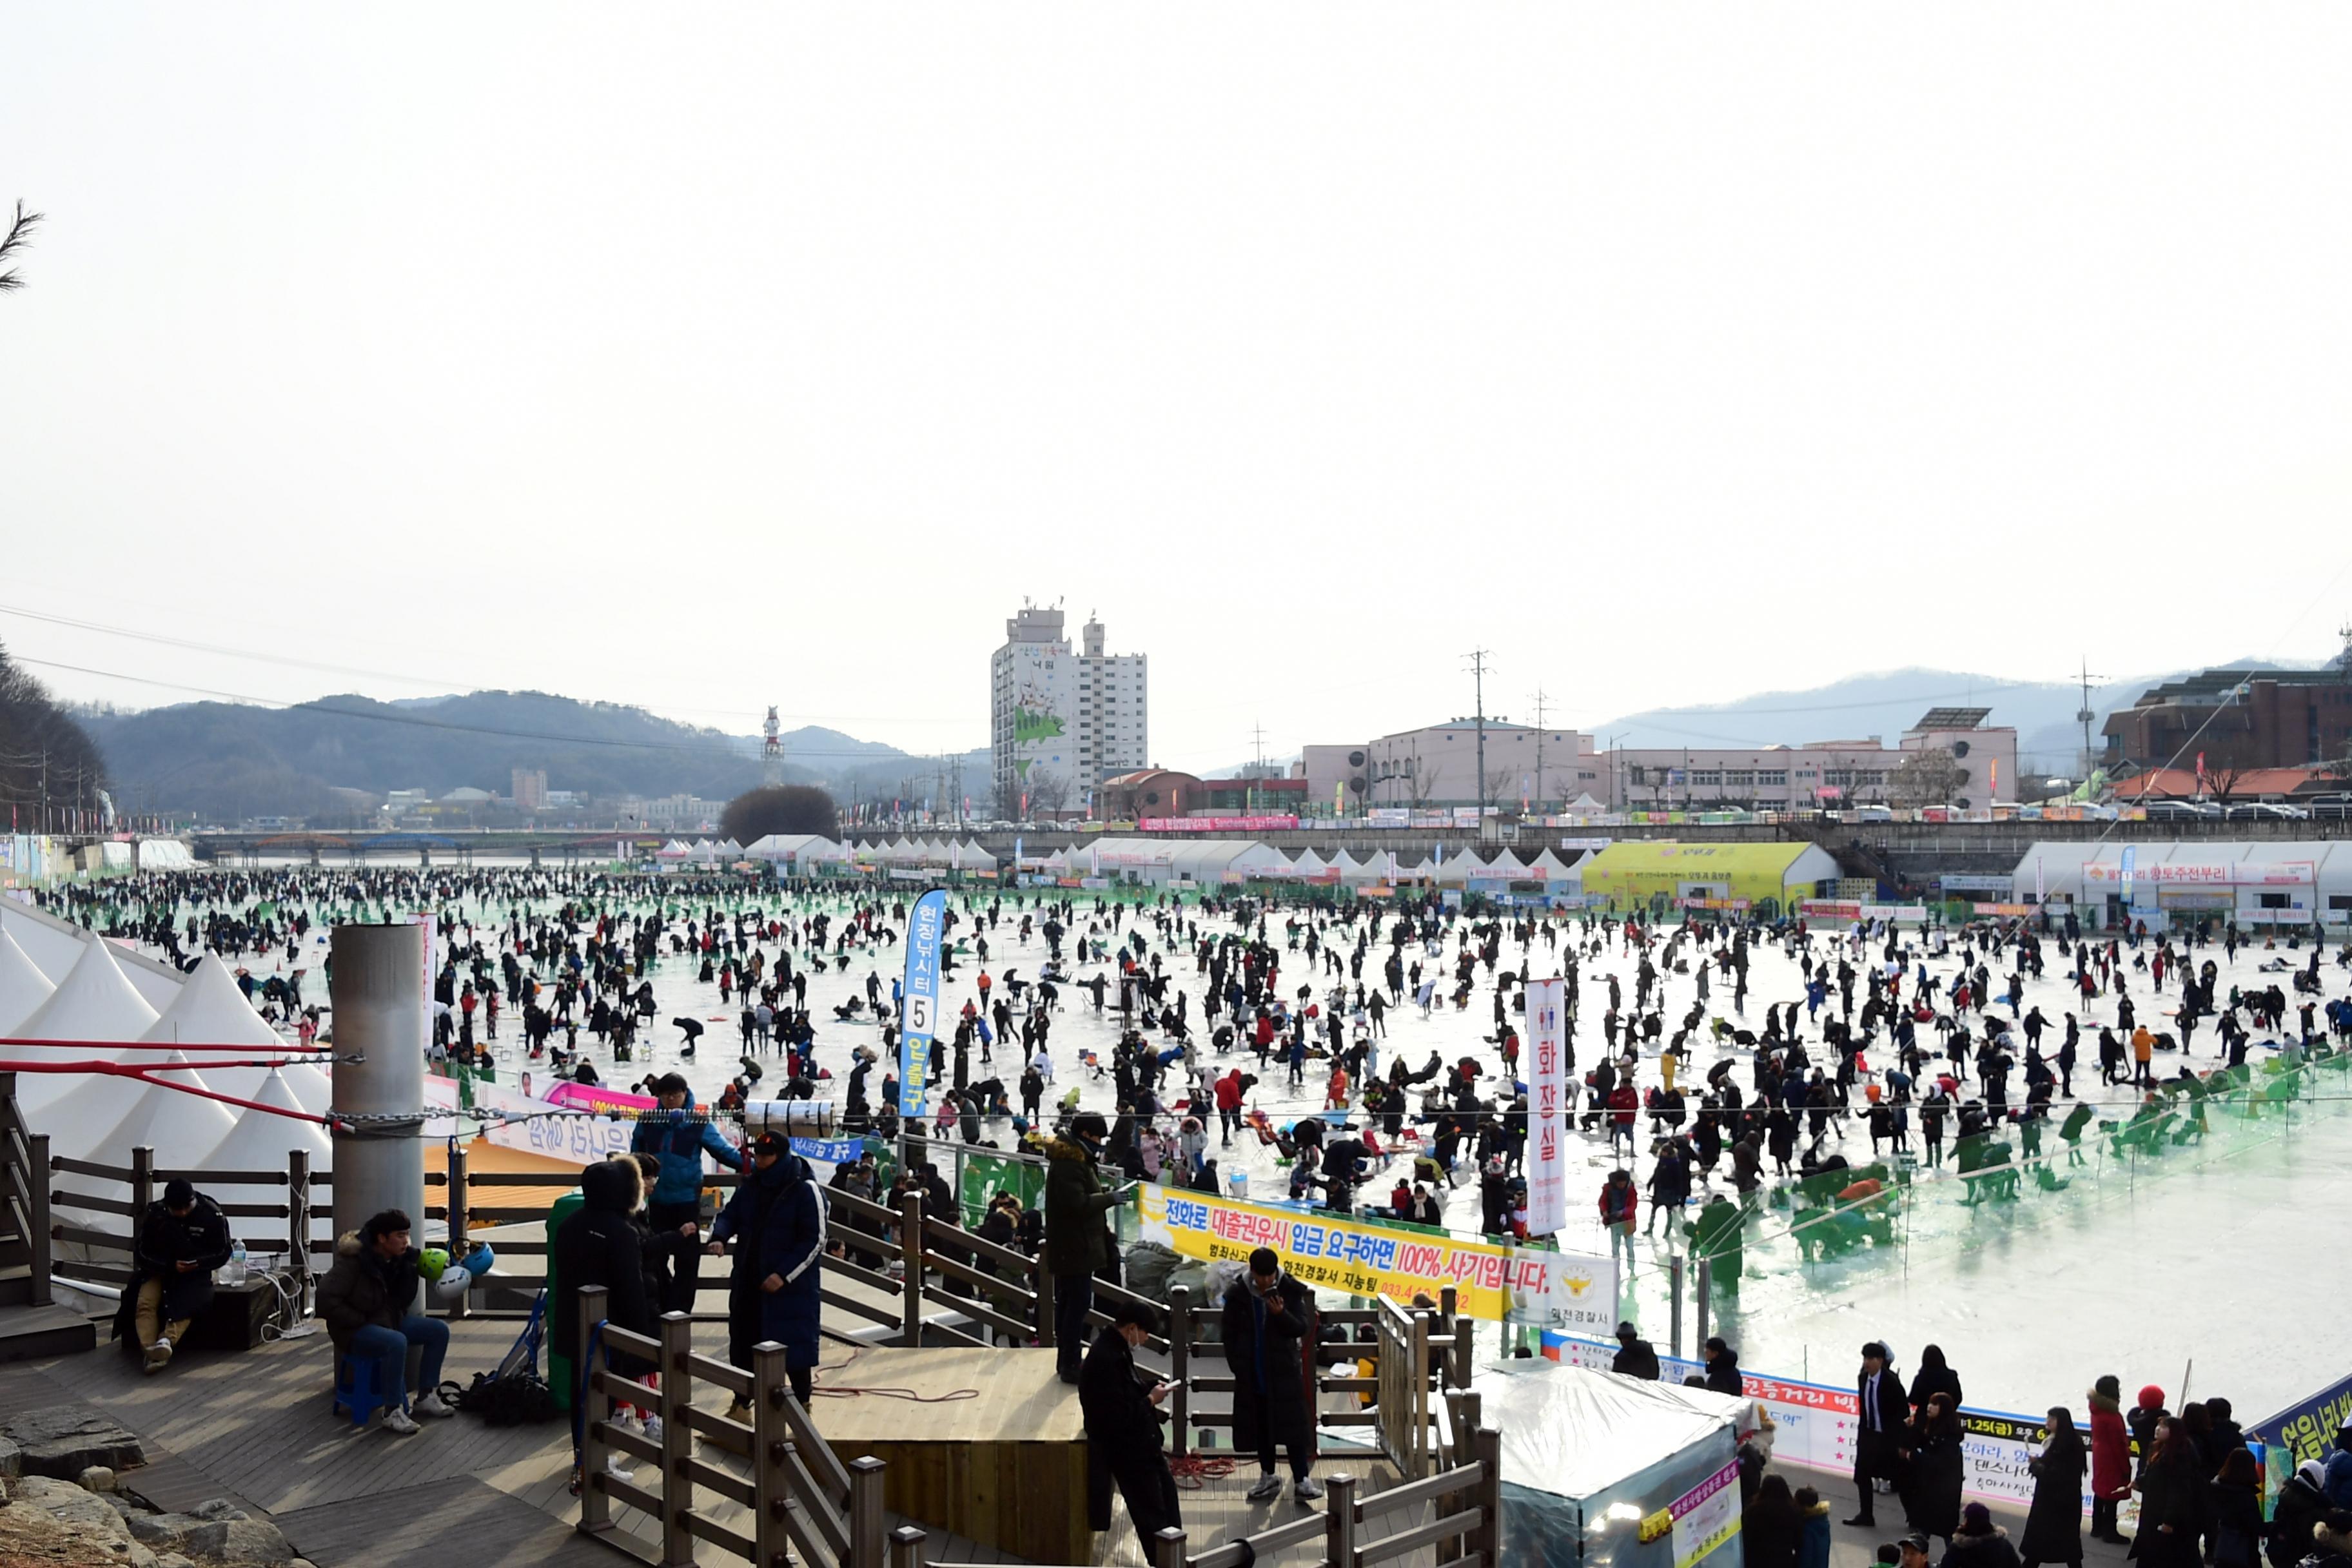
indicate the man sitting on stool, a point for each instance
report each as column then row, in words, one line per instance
column 181, row 1239
column 368, row 1299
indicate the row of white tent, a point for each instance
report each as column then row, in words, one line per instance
column 58, row 983
column 1159, row 861
column 811, row 850
column 2257, row 881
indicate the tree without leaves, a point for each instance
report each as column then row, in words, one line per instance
column 783, row 808
column 1927, row 778
column 20, row 235
column 45, row 758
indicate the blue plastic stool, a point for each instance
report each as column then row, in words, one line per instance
column 355, row 1390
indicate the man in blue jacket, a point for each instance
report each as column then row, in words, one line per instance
column 776, row 1220
column 678, row 1135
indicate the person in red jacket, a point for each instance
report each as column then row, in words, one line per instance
column 2111, row 1470
column 1625, row 1111
column 1621, row 1207
column 1229, row 1104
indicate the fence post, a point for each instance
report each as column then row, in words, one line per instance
column 1168, row 1547
column 771, row 1440
column 910, row 1257
column 1698, row 1341
column 298, row 1226
column 1179, row 1366
column 1339, row 1522
column 596, row 1507
column 1044, row 1303
column 37, row 1189
column 1675, row 1310
column 677, row 1442
column 907, row 1547
column 866, row 1529
column 1419, row 1414
column 142, row 1184
column 456, row 1193
column 1487, row 1443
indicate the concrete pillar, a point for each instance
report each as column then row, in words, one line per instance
column 380, row 1012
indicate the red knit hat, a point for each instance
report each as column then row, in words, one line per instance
column 2151, row 1397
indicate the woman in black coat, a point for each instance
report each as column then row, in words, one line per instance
column 1931, row 1495
column 2053, row 1527
column 1933, row 1376
column 1769, row 1526
column 598, row 1244
column 2172, row 1502
column 2237, row 1512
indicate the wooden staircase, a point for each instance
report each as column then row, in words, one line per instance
column 31, row 1324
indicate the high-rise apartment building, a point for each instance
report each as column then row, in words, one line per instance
column 529, row 788
column 1062, row 719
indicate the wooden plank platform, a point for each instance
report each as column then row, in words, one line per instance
column 256, row 1426
column 988, row 1443
column 460, row 1521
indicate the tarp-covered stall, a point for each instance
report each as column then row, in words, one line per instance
column 1604, row 1471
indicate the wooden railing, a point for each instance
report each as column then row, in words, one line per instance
column 800, row 1499
column 24, row 1197
column 145, row 1179
column 1463, row 1507
column 1418, row 1355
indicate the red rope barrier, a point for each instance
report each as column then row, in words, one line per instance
column 145, row 1071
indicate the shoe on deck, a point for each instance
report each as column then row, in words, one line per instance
column 431, row 1407
column 1267, row 1486
column 1307, row 1490
column 397, row 1422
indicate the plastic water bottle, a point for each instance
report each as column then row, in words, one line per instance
column 236, row 1263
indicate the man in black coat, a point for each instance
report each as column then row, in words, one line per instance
column 1269, row 1335
column 1723, row 1368
column 1123, row 1421
column 182, row 1237
column 1636, row 1357
column 1881, row 1417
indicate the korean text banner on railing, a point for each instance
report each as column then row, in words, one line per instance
column 1499, row 1284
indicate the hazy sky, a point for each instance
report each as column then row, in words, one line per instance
column 708, row 359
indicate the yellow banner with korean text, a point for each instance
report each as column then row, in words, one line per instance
column 1498, row 1284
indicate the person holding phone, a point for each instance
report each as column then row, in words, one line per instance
column 1269, row 1338
column 1123, row 1414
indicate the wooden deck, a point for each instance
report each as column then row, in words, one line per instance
column 256, row 1427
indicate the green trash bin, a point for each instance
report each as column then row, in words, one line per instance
column 559, row 1367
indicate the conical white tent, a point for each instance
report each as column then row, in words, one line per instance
column 211, row 1011
column 1309, row 864
column 183, row 1129
column 94, row 1002
column 1505, row 865
column 260, row 1141
column 23, row 986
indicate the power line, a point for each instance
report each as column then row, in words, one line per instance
column 430, row 682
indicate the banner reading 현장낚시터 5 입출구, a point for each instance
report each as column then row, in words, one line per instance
column 1496, row 1283
column 919, row 1006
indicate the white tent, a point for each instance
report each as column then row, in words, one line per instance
column 1309, row 864
column 23, row 986
column 211, row 1011
column 54, row 945
column 1558, row 876
column 94, row 1002
column 1420, row 870
column 1503, row 867
column 183, row 1129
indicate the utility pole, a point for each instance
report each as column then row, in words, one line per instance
column 1257, row 771
column 1477, row 658
column 1539, row 740
column 2083, row 716
column 1616, row 772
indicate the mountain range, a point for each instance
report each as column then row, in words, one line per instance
column 1885, row 704
column 224, row 762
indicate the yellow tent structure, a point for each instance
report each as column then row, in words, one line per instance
column 1767, row 877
